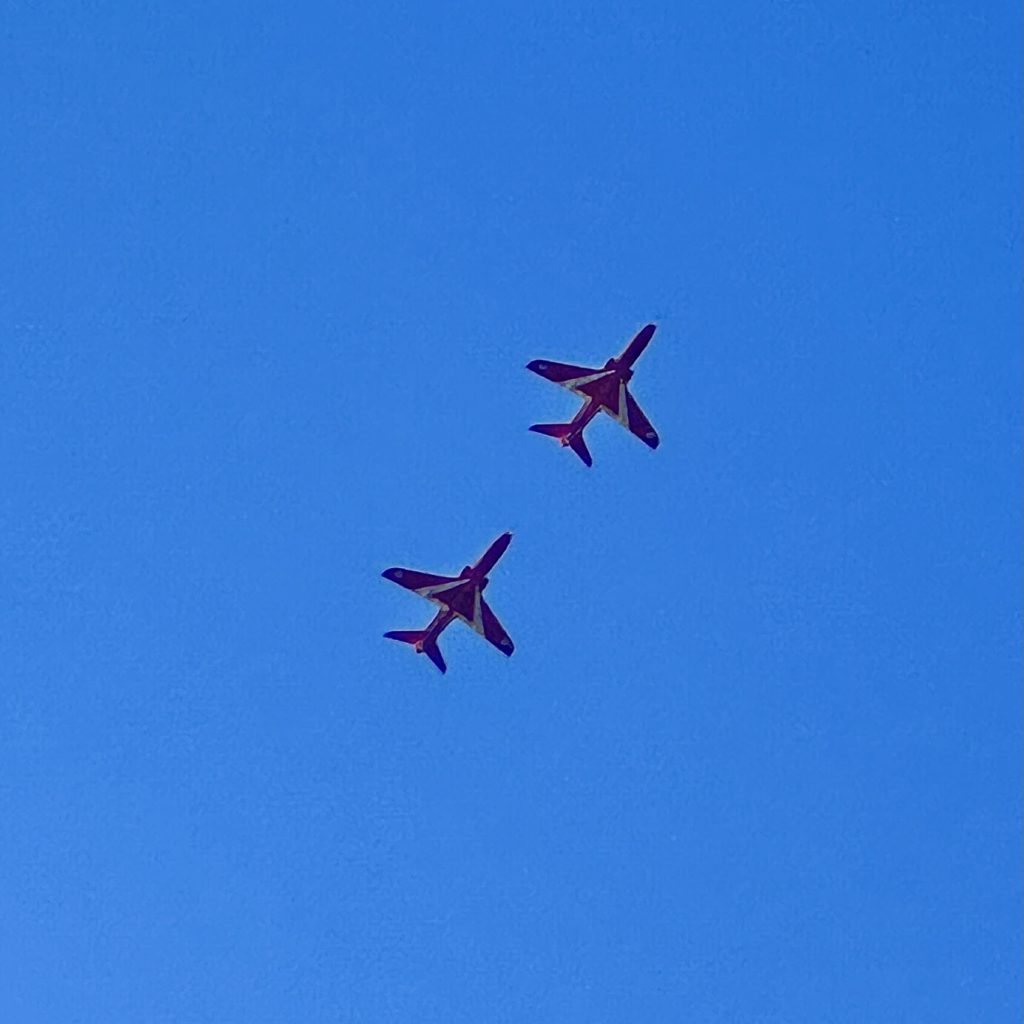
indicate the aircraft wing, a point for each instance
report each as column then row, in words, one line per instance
column 494, row 631
column 638, row 423
column 419, row 581
column 562, row 373
column 469, row 605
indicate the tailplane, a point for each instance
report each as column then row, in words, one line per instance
column 422, row 641
column 564, row 433
column 559, row 430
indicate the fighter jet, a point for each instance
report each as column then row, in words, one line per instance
column 457, row 597
column 602, row 390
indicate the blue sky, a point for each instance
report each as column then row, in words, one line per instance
column 269, row 281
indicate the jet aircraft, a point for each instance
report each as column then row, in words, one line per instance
column 603, row 390
column 457, row 597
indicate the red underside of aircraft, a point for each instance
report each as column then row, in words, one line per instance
column 603, row 390
column 457, row 597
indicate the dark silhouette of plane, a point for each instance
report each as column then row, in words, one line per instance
column 457, row 597
column 603, row 390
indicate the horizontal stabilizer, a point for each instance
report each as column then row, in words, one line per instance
column 564, row 433
column 423, row 643
column 406, row 636
column 579, row 446
column 558, row 430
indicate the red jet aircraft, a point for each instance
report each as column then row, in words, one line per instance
column 457, row 597
column 602, row 390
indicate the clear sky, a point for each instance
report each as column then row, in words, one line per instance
column 269, row 279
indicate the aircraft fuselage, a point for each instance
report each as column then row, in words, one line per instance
column 437, row 625
column 606, row 390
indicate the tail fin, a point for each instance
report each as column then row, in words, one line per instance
column 564, row 433
column 423, row 643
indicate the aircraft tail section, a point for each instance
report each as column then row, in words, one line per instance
column 579, row 446
column 559, row 430
column 422, row 641
column 564, row 432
